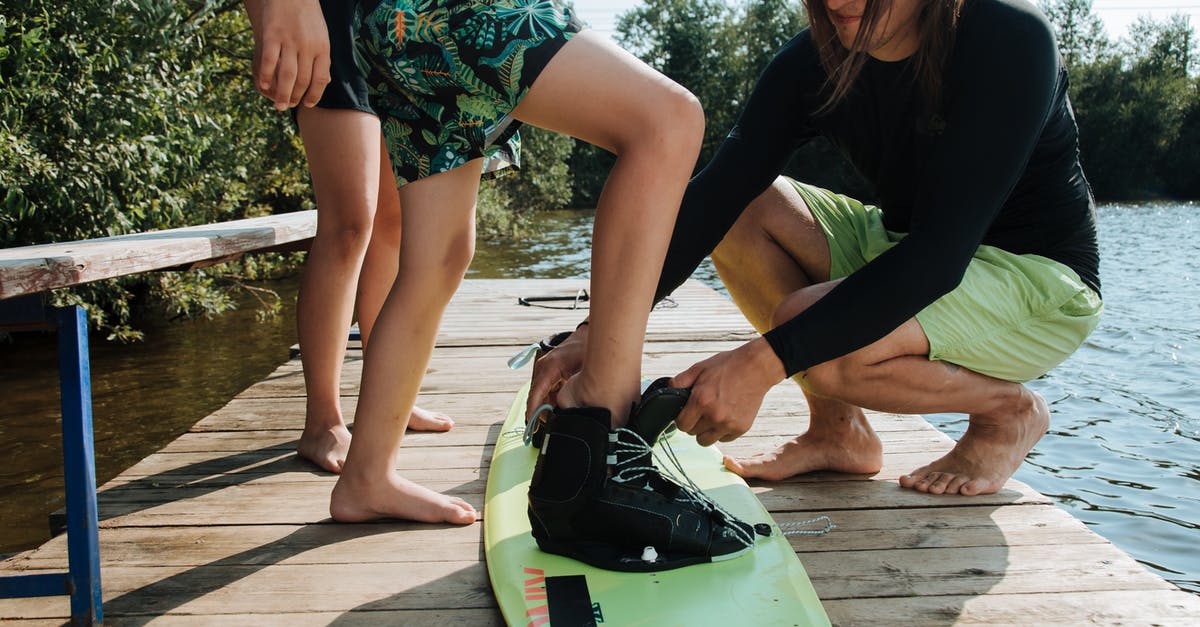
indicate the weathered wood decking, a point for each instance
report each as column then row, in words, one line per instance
column 226, row 526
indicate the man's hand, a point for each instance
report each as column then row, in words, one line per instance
column 291, row 51
column 554, row 368
column 727, row 390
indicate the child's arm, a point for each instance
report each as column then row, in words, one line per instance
column 291, row 51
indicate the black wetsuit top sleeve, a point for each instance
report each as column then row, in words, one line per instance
column 1001, row 86
column 760, row 144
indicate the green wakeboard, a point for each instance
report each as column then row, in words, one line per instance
column 766, row 586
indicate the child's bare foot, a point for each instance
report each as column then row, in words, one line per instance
column 356, row 499
column 325, row 446
column 987, row 454
column 851, row 447
column 425, row 420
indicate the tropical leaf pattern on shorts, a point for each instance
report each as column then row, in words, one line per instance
column 444, row 75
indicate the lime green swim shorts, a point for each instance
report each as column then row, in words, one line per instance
column 1013, row 317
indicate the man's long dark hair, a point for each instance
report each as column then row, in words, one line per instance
column 937, row 22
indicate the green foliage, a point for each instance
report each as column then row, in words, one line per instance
column 1135, row 103
column 694, row 43
column 1080, row 33
column 133, row 115
column 543, row 183
column 717, row 51
column 544, row 180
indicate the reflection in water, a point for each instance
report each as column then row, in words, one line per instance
column 144, row 395
column 1123, row 453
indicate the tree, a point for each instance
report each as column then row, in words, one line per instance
column 1162, row 48
column 1080, row 32
column 1129, row 107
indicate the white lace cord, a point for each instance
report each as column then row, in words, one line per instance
column 747, row 537
column 691, row 492
column 523, row 356
column 528, row 435
column 795, row 527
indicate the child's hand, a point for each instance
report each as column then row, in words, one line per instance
column 554, row 368
column 291, row 51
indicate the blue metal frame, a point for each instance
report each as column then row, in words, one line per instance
column 82, row 581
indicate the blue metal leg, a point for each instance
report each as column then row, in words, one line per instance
column 79, row 460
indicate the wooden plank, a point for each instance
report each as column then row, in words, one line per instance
column 221, row 588
column 783, row 413
column 1112, row 607
column 861, row 530
column 32, row 269
column 249, row 545
column 226, row 587
column 477, row 617
column 942, row 527
column 263, row 501
column 976, row 570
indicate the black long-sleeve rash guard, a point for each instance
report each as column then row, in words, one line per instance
column 996, row 162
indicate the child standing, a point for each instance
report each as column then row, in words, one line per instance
column 451, row 81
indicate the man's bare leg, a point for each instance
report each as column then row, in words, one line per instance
column 439, row 240
column 379, row 273
column 760, row 270
column 894, row 374
column 1006, row 419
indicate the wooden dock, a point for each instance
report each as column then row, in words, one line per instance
column 225, row 525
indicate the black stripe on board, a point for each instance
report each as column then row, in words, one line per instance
column 569, row 601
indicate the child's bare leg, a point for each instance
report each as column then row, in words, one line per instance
column 597, row 92
column 343, row 157
column 439, row 239
column 379, row 273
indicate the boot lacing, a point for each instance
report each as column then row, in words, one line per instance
column 626, row 472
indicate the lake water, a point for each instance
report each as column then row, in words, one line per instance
column 1123, row 454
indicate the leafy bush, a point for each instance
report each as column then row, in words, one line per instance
column 134, row 115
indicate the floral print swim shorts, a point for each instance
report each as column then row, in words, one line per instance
column 444, row 75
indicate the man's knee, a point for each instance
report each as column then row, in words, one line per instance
column 829, row 379
column 797, row 302
column 750, row 232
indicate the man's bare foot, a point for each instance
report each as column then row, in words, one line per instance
column 325, row 446
column 987, row 454
column 425, row 420
column 392, row 496
column 851, row 447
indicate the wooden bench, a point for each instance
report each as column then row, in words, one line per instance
column 27, row 275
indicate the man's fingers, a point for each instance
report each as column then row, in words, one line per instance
column 539, row 390
column 708, row 438
column 685, row 379
column 688, row 417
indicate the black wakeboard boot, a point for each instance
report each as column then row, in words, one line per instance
column 580, row 508
column 651, row 421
